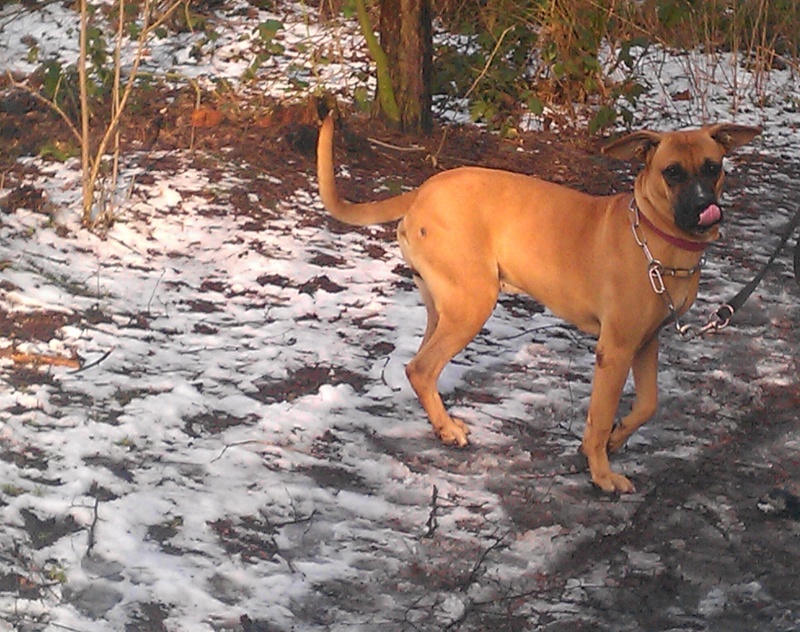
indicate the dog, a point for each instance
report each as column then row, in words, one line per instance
column 618, row 267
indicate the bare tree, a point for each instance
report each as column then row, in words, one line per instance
column 152, row 15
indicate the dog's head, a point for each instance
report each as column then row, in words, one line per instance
column 683, row 174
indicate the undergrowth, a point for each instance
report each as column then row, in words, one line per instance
column 578, row 60
column 564, row 62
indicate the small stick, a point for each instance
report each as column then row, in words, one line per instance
column 95, row 363
column 432, row 522
column 91, row 539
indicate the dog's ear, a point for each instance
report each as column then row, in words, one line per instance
column 731, row 136
column 633, row 146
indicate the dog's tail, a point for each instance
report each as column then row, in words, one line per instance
column 348, row 212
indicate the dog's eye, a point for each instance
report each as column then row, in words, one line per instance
column 711, row 169
column 674, row 174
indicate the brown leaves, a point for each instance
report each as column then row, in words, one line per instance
column 206, row 117
column 39, row 359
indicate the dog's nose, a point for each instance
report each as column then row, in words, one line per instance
column 703, row 194
column 699, row 189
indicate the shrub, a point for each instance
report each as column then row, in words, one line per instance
column 578, row 58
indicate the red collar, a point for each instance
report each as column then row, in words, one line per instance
column 683, row 244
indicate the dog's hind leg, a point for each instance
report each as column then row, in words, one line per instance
column 454, row 319
column 645, row 378
column 433, row 315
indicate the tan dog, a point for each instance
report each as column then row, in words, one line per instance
column 470, row 232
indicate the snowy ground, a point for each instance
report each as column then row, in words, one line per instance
column 248, row 455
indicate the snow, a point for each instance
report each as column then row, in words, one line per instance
column 172, row 464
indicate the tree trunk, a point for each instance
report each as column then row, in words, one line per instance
column 407, row 38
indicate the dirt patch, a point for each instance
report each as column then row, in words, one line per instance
column 45, row 532
column 304, row 381
column 691, row 551
column 286, row 151
column 33, row 326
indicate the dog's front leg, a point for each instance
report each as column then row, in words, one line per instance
column 612, row 366
column 645, row 378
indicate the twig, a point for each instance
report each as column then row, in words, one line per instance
column 482, row 558
column 95, row 363
column 489, row 61
column 163, row 272
column 533, row 330
column 53, row 105
column 381, row 143
column 470, row 605
column 432, row 523
column 510, row 597
column 396, row 389
column 293, row 521
column 434, row 158
column 233, row 445
column 91, row 539
column 61, row 626
column 197, row 101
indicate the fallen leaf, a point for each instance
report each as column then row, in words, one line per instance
column 38, row 359
column 206, row 117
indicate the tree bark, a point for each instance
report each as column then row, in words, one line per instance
column 407, row 38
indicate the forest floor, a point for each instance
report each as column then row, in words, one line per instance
column 231, row 443
column 689, row 551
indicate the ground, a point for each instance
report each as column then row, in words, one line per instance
column 689, row 551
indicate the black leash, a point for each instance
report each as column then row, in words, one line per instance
column 721, row 318
column 797, row 262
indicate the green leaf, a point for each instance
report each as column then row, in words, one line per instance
column 535, row 105
column 52, row 77
column 269, row 29
column 605, row 116
column 252, row 70
column 361, row 99
column 59, row 151
column 33, row 54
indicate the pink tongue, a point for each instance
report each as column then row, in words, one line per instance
column 710, row 215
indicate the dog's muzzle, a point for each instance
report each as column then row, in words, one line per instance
column 697, row 210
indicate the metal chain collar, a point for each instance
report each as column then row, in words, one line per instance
column 656, row 271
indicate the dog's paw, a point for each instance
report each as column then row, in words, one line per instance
column 616, row 442
column 614, row 483
column 455, row 433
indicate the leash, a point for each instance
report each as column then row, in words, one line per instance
column 797, row 262
column 721, row 317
